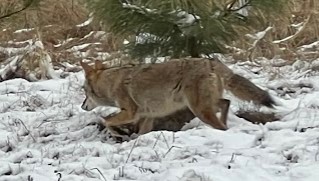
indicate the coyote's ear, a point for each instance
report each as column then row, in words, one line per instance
column 87, row 69
column 99, row 65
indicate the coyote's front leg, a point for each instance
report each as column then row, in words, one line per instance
column 123, row 117
column 126, row 115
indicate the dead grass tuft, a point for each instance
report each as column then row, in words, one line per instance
column 287, row 34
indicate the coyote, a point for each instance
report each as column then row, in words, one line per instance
column 151, row 91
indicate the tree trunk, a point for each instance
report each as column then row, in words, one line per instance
column 192, row 47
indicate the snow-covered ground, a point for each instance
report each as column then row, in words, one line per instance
column 45, row 136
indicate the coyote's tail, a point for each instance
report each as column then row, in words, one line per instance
column 240, row 86
column 246, row 90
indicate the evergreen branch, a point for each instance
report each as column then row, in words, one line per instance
column 248, row 3
column 179, row 28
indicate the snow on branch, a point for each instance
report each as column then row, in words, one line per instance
column 300, row 27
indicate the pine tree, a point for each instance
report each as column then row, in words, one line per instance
column 183, row 27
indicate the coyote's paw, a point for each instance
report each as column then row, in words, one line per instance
column 100, row 126
column 134, row 136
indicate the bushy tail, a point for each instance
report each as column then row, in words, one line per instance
column 246, row 90
column 240, row 86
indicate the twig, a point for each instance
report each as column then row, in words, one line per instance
column 99, row 173
column 165, row 139
column 144, row 170
column 156, row 140
column 170, row 149
column 28, row 131
column 232, row 160
column 129, row 155
column 157, row 155
column 30, row 178
column 121, row 172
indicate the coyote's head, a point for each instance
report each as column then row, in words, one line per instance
column 88, row 103
column 92, row 99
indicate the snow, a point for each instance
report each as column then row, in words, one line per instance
column 186, row 19
column 87, row 22
column 311, row 46
column 24, row 30
column 142, row 9
column 45, row 135
column 82, row 46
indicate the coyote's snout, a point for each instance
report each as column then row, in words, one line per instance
column 87, row 104
column 148, row 91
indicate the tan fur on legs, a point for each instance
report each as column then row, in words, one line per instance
column 224, row 108
column 145, row 125
column 204, row 104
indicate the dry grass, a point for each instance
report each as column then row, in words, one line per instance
column 56, row 25
column 51, row 21
column 298, row 27
column 58, row 12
